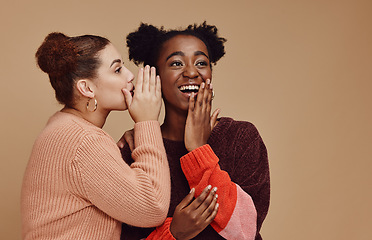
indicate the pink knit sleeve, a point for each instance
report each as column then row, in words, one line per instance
column 139, row 194
column 236, row 217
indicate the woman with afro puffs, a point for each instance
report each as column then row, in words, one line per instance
column 204, row 152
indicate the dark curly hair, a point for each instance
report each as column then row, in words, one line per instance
column 67, row 59
column 145, row 43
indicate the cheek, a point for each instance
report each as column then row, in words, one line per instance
column 206, row 73
column 168, row 79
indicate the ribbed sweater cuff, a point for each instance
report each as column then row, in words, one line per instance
column 162, row 232
column 198, row 160
column 147, row 132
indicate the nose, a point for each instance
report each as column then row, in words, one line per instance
column 130, row 75
column 190, row 71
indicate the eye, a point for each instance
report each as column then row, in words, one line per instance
column 176, row 64
column 201, row 63
column 118, row 70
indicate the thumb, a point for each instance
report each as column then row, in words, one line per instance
column 129, row 138
column 127, row 97
column 187, row 200
column 121, row 142
column 214, row 117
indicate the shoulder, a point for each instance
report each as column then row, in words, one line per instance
column 235, row 130
column 63, row 129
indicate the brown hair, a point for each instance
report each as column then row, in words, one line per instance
column 67, row 59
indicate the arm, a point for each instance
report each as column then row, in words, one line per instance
column 237, row 217
column 138, row 194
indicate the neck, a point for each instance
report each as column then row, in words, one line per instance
column 96, row 118
column 173, row 127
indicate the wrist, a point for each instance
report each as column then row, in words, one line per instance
column 172, row 231
column 192, row 147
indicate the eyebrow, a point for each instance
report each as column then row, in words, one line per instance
column 115, row 61
column 180, row 53
column 200, row 53
column 174, row 54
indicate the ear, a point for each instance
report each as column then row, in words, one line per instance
column 85, row 87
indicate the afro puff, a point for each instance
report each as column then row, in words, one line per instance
column 145, row 43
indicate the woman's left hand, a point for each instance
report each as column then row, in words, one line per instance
column 200, row 123
column 128, row 137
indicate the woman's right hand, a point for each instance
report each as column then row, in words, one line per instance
column 189, row 219
column 199, row 122
column 146, row 102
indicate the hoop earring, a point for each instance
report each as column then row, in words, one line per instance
column 95, row 105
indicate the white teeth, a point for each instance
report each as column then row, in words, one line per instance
column 189, row 87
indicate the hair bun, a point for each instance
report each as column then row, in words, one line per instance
column 56, row 55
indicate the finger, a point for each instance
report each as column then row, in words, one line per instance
column 127, row 97
column 139, row 81
column 121, row 142
column 207, row 201
column 200, row 96
column 208, row 211
column 191, row 102
column 214, row 117
column 211, row 217
column 152, row 79
column 158, row 86
column 199, row 200
column 209, row 92
column 146, row 79
column 186, row 201
column 129, row 138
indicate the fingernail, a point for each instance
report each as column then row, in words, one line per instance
column 215, row 189
column 209, row 187
column 217, row 205
column 202, row 85
column 216, row 196
column 192, row 190
column 208, row 81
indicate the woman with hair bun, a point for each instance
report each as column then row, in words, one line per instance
column 201, row 149
column 76, row 184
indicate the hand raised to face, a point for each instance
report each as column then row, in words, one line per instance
column 200, row 123
column 146, row 102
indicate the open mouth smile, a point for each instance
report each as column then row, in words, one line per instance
column 188, row 89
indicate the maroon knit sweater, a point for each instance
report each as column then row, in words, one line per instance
column 242, row 154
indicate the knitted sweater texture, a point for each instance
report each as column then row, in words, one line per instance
column 77, row 186
column 242, row 155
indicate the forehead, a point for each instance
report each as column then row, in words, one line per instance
column 108, row 54
column 183, row 43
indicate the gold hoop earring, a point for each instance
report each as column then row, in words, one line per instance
column 95, row 105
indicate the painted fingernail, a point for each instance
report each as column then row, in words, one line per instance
column 202, row 85
column 215, row 189
column 216, row 196
column 208, row 81
column 192, row 190
column 209, row 187
column 217, row 205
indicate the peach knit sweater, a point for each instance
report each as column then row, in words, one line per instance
column 77, row 186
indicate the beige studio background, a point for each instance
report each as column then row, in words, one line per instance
column 301, row 71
